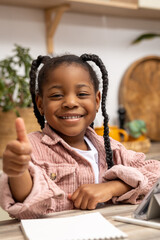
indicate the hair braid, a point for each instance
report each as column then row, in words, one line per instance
column 33, row 76
column 99, row 63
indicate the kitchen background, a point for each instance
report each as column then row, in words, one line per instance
column 108, row 37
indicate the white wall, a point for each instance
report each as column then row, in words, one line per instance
column 108, row 37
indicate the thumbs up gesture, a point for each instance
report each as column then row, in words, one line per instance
column 16, row 156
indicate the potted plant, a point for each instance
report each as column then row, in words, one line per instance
column 15, row 99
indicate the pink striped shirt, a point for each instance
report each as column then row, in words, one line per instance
column 58, row 170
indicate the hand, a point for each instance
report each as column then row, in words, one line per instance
column 87, row 196
column 16, row 156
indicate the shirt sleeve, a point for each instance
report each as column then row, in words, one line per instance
column 132, row 168
column 37, row 202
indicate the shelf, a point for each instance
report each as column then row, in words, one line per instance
column 116, row 8
column 123, row 8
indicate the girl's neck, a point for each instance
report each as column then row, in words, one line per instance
column 74, row 141
column 82, row 145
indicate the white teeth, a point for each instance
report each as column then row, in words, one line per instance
column 70, row 117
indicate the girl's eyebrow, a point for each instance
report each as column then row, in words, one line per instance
column 60, row 86
column 55, row 86
column 82, row 85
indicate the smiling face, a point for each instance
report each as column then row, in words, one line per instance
column 69, row 101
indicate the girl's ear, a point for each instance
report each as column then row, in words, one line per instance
column 98, row 100
column 39, row 104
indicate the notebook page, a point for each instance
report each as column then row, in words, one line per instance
column 81, row 227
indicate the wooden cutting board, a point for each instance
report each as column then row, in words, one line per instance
column 139, row 93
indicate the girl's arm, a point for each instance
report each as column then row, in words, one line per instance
column 16, row 159
column 37, row 190
column 21, row 186
column 133, row 169
column 88, row 196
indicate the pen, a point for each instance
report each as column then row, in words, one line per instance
column 137, row 222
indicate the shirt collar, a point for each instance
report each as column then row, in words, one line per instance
column 51, row 138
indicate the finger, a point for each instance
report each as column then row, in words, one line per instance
column 92, row 204
column 21, row 130
column 78, row 201
column 18, row 148
column 16, row 167
column 84, row 203
column 21, row 160
column 14, row 173
column 75, row 198
column 10, row 158
column 10, row 167
column 74, row 195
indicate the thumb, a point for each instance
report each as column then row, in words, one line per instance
column 21, row 130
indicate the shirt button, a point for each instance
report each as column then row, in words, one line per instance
column 53, row 176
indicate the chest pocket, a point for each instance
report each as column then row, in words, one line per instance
column 62, row 173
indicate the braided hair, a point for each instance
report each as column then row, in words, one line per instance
column 49, row 64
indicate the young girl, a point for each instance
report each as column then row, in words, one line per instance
column 68, row 165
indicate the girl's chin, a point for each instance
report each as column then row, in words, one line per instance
column 70, row 133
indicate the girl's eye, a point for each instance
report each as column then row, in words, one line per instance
column 56, row 96
column 83, row 94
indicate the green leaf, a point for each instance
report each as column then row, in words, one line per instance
column 17, row 113
column 135, row 135
column 145, row 36
column 7, row 108
column 10, row 79
column 136, row 128
column 143, row 130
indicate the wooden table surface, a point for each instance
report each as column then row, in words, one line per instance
column 154, row 152
column 10, row 229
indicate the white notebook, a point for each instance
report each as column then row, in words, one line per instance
column 82, row 227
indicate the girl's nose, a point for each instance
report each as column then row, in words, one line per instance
column 70, row 102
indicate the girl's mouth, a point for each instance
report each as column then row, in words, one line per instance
column 71, row 117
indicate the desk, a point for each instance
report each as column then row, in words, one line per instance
column 10, row 229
